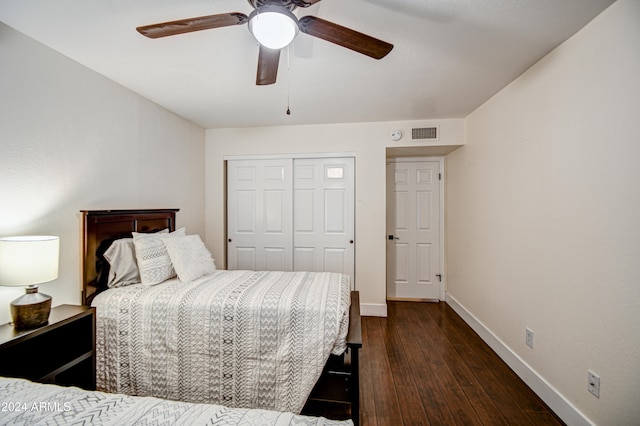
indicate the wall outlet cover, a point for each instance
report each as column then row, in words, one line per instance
column 593, row 384
column 529, row 337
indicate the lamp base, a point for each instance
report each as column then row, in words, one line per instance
column 31, row 309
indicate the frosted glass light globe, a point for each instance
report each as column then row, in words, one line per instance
column 274, row 27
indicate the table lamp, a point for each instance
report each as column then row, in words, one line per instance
column 29, row 261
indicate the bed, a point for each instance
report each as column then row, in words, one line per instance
column 27, row 403
column 167, row 352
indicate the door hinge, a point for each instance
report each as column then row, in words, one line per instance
column 439, row 176
column 439, row 277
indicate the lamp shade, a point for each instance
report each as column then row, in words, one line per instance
column 28, row 260
column 273, row 26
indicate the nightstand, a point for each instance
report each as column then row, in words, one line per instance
column 62, row 352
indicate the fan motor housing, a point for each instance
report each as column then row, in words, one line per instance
column 287, row 4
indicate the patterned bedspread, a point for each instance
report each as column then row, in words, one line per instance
column 26, row 403
column 236, row 338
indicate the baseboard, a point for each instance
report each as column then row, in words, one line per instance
column 410, row 299
column 373, row 309
column 558, row 403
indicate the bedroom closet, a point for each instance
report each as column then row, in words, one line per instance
column 291, row 214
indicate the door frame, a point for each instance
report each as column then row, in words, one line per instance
column 443, row 263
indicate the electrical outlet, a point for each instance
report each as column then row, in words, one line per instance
column 593, row 384
column 529, row 337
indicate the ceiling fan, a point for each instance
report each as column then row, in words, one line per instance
column 274, row 25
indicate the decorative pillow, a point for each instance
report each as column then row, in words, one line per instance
column 123, row 267
column 153, row 259
column 189, row 257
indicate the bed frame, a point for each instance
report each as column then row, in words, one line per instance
column 336, row 394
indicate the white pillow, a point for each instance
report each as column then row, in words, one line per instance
column 123, row 267
column 189, row 257
column 153, row 259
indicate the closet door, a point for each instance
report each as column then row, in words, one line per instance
column 291, row 215
column 323, row 215
column 259, row 214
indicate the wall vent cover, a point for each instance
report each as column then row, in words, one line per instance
column 424, row 133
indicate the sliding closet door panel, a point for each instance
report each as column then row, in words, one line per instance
column 324, row 215
column 276, row 259
column 291, row 214
column 259, row 217
column 305, row 259
column 335, row 212
column 244, row 258
column 303, row 214
column 334, row 259
column 275, row 216
column 246, row 212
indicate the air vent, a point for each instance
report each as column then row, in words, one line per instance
column 424, row 133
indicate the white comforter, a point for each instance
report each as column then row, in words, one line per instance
column 26, row 403
column 236, row 338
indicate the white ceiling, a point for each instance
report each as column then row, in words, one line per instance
column 450, row 56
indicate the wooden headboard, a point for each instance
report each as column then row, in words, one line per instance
column 101, row 227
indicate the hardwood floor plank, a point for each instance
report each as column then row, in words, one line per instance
column 484, row 407
column 385, row 399
column 422, row 365
column 502, row 383
column 378, row 354
column 367, row 402
column 411, row 408
column 461, row 408
column 543, row 418
column 457, row 403
column 434, row 403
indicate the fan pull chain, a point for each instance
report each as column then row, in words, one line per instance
column 288, row 82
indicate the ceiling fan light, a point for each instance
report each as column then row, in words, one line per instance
column 273, row 26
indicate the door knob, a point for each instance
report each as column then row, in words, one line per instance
column 393, row 237
column 229, row 240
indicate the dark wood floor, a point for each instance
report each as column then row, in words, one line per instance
column 423, row 365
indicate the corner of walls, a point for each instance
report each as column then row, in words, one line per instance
column 369, row 142
column 62, row 151
column 541, row 214
column 556, row 401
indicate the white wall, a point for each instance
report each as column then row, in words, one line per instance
column 69, row 140
column 541, row 203
column 543, row 209
column 368, row 141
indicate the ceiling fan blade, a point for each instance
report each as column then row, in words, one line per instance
column 268, row 60
column 305, row 3
column 188, row 25
column 344, row 37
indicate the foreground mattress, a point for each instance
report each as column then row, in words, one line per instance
column 236, row 338
column 27, row 403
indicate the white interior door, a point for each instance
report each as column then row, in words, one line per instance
column 259, row 219
column 413, row 229
column 323, row 215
